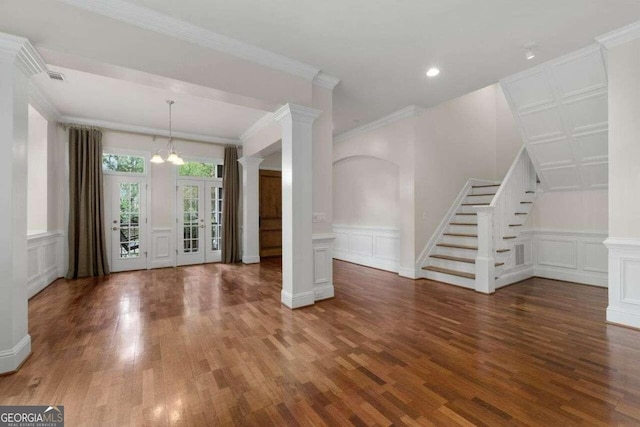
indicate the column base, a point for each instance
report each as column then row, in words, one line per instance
column 323, row 292
column 297, row 300
column 624, row 317
column 251, row 259
column 12, row 359
column 408, row 273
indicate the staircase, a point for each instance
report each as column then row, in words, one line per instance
column 477, row 241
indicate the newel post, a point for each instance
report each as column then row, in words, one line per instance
column 485, row 261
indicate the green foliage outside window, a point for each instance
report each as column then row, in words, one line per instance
column 200, row 169
column 122, row 163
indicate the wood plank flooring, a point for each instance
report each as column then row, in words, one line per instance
column 211, row 345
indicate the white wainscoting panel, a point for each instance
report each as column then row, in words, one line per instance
column 44, row 260
column 624, row 281
column 369, row 246
column 572, row 256
column 323, row 266
column 163, row 252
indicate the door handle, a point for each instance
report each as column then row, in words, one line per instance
column 202, row 226
column 115, row 229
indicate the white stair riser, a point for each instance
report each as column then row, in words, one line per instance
column 479, row 199
column 466, row 229
column 467, row 209
column 466, row 218
column 455, row 240
column 447, row 278
column 460, row 253
column 453, row 265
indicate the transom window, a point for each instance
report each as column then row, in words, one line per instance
column 201, row 170
column 122, row 163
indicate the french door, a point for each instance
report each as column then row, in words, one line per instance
column 127, row 224
column 199, row 221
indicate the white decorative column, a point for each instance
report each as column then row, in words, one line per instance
column 485, row 261
column 297, row 168
column 18, row 62
column 250, row 209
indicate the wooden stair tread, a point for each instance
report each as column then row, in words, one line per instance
column 485, row 186
column 449, row 245
column 450, row 272
column 515, row 225
column 526, row 203
column 459, row 234
column 475, row 204
column 463, row 223
column 500, row 251
column 530, row 192
column 466, row 213
column 458, row 259
column 521, row 213
column 509, row 237
column 483, row 194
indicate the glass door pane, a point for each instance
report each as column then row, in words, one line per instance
column 129, row 220
column 191, row 222
column 127, row 215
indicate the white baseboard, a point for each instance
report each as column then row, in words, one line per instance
column 624, row 281
column 623, row 317
column 302, row 299
column 323, row 265
column 11, row 359
column 515, row 276
column 409, row 273
column 162, row 264
column 250, row 259
column 323, row 292
column 570, row 276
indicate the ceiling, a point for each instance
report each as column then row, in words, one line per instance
column 91, row 96
column 379, row 49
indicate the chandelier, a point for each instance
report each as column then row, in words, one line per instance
column 172, row 154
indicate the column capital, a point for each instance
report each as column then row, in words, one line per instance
column 246, row 161
column 297, row 113
column 21, row 52
column 325, row 81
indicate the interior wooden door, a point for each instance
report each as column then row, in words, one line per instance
column 270, row 213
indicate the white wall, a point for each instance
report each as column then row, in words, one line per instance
column 37, row 170
column 272, row 162
column 367, row 194
column 571, row 211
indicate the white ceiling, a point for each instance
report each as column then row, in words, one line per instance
column 381, row 49
column 90, row 96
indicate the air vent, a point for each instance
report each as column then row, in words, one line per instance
column 519, row 254
column 56, row 76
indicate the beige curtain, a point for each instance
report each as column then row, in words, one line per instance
column 230, row 203
column 87, row 248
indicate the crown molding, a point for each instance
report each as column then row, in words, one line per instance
column 151, row 20
column 297, row 113
column 250, row 161
column 325, row 81
column 405, row 113
column 22, row 52
column 41, row 102
column 258, row 125
column 123, row 127
column 620, row 36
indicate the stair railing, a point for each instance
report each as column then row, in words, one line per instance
column 494, row 220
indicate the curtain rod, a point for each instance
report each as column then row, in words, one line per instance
column 66, row 126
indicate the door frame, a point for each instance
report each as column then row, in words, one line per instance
column 146, row 155
column 176, row 178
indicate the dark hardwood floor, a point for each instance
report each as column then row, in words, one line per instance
column 211, row 345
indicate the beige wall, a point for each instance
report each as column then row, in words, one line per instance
column 508, row 139
column 624, row 148
column 571, row 211
column 367, row 194
column 273, row 161
column 456, row 141
column 37, row 194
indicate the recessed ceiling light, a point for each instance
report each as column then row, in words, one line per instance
column 432, row 72
column 530, row 51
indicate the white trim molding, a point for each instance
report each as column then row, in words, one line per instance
column 377, row 247
column 405, row 113
column 624, row 281
column 620, row 36
column 162, row 247
column 323, row 266
column 325, row 81
column 149, row 19
column 164, row 133
column 41, row 102
column 20, row 50
column 10, row 360
column 45, row 263
column 257, row 126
